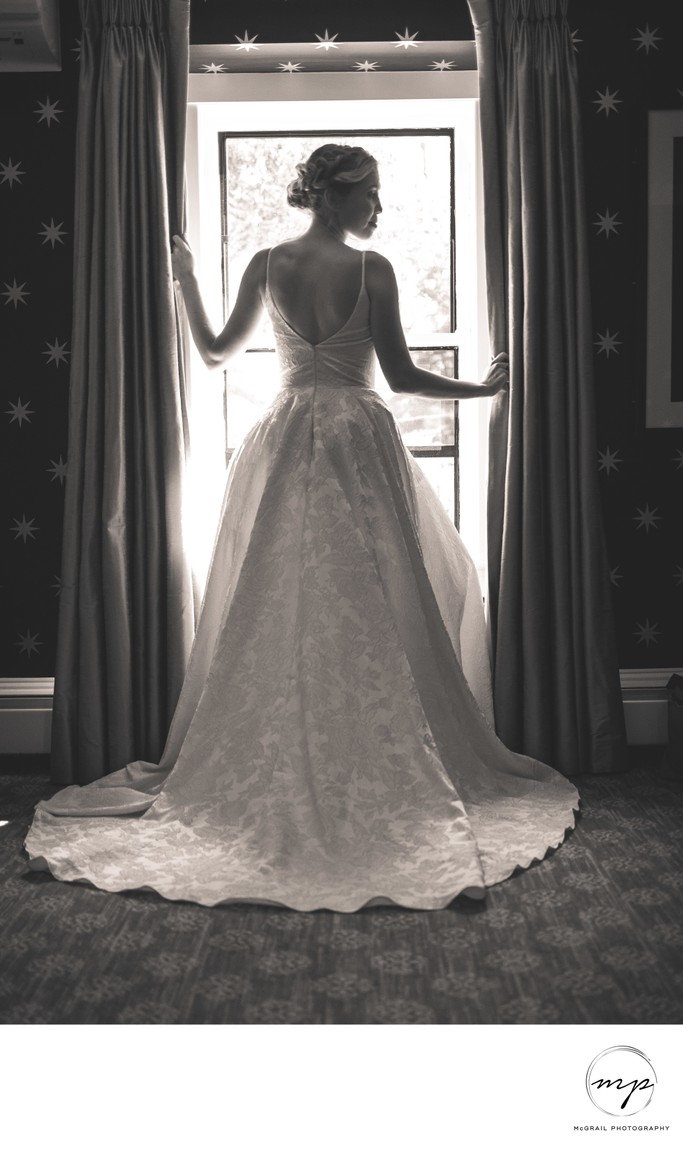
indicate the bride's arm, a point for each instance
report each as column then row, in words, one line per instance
column 392, row 350
column 214, row 348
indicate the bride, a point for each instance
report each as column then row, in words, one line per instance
column 333, row 745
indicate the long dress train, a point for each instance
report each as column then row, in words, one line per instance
column 333, row 745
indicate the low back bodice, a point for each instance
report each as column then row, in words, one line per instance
column 344, row 359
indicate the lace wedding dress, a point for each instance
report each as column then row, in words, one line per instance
column 333, row 745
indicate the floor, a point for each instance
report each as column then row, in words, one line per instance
column 593, row 934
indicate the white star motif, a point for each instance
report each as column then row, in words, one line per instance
column 609, row 460
column 406, row 40
column 607, row 102
column 678, row 575
column 28, row 644
column 246, row 43
column 58, row 470
column 214, row 68
column 614, row 576
column 15, row 294
column 647, row 632
column 57, row 585
column 607, row 343
column 77, row 49
column 48, row 112
column 53, row 233
column 57, row 352
column 11, row 173
column 647, row 39
column 575, row 39
column 20, row 412
column 678, row 459
column 326, row 41
column 366, row 65
column 289, row 67
column 24, row 528
column 442, row 65
column 646, row 518
column 607, row 223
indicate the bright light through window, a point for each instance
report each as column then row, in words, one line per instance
column 416, row 174
column 240, row 158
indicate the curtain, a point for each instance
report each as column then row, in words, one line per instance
column 127, row 607
column 556, row 682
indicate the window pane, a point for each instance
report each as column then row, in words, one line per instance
column 416, row 226
column 416, row 235
column 424, row 422
column 254, row 380
column 252, row 385
column 441, row 475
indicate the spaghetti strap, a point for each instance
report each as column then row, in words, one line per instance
column 362, row 271
column 268, row 269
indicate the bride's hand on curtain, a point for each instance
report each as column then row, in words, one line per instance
column 182, row 259
column 215, row 348
column 184, row 274
column 498, row 375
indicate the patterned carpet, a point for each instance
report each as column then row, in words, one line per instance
column 594, row 934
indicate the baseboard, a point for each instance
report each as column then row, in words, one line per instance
column 26, row 710
column 26, row 716
column 646, row 709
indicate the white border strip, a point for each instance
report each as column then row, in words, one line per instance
column 26, row 688
column 647, row 678
column 332, row 86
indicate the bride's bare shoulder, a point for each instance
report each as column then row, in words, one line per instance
column 379, row 272
column 375, row 261
column 258, row 262
column 289, row 247
column 254, row 277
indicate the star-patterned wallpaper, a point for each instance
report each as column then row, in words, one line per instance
column 37, row 142
column 630, row 62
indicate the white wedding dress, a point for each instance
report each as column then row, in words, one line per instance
column 333, row 745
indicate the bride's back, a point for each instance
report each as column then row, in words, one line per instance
column 315, row 287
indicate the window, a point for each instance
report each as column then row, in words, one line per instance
column 417, row 233
column 430, row 230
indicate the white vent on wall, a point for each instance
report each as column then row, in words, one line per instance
column 29, row 36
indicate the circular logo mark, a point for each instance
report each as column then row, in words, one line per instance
column 621, row 1081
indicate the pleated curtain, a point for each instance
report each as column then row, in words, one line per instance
column 127, row 606
column 556, row 680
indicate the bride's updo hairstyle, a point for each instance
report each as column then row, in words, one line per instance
column 331, row 168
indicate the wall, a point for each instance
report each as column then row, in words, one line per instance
column 639, row 470
column 629, row 59
column 37, row 139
